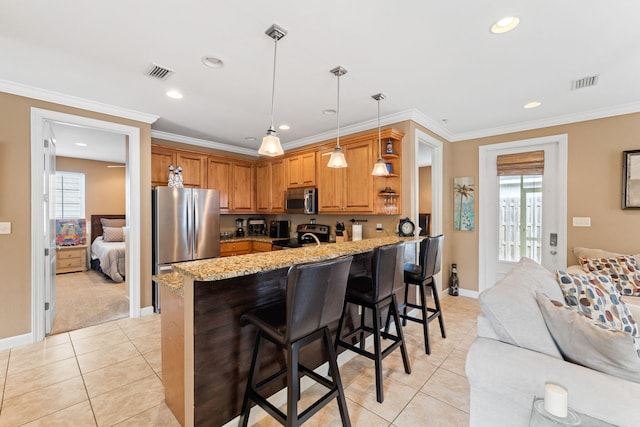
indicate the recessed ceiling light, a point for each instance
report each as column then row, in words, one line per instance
column 284, row 127
column 174, row 94
column 533, row 104
column 80, row 144
column 212, row 62
column 329, row 112
column 249, row 138
column 505, row 24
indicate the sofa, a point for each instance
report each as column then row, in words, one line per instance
column 515, row 354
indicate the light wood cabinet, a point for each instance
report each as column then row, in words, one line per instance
column 235, row 248
column 301, row 170
column 161, row 158
column 347, row 189
column 194, row 169
column 270, row 186
column 260, row 247
column 71, row 259
column 219, row 178
column 235, row 181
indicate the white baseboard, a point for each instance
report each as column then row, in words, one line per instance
column 462, row 292
column 16, row 341
column 146, row 311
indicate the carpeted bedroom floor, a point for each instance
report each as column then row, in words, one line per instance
column 86, row 299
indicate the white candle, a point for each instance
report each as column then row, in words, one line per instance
column 555, row 400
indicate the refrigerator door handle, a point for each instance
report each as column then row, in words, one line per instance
column 189, row 226
column 195, row 224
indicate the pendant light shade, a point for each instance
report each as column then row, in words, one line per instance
column 337, row 159
column 379, row 168
column 271, row 143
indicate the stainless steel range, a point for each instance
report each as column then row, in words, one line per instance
column 308, row 234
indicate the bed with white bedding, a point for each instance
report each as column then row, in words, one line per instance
column 108, row 246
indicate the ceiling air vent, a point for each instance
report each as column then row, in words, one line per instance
column 159, row 72
column 585, row 82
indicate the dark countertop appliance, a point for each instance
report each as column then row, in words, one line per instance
column 279, row 229
column 256, row 227
column 318, row 230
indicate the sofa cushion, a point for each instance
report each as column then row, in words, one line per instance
column 623, row 270
column 510, row 307
column 597, row 298
column 591, row 343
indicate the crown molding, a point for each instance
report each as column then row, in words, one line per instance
column 74, row 101
column 598, row 113
column 203, row 143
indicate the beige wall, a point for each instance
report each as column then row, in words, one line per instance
column 424, row 184
column 105, row 188
column 594, row 188
column 15, row 207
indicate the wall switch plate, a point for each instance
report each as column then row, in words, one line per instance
column 378, row 227
column 5, row 228
column 579, row 221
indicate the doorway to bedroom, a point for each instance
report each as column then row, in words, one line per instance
column 90, row 189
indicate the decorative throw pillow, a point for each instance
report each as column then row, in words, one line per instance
column 113, row 222
column 113, row 234
column 623, row 270
column 590, row 343
column 597, row 298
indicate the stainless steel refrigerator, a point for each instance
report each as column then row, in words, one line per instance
column 186, row 227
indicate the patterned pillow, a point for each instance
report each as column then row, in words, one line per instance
column 623, row 269
column 591, row 343
column 113, row 234
column 597, row 298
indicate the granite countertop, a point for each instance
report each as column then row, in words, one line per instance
column 266, row 239
column 243, row 265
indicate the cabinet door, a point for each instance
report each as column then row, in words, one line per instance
column 219, row 178
column 308, row 172
column 330, row 185
column 278, row 186
column 293, row 171
column 263, row 187
column 358, row 181
column 161, row 158
column 242, row 187
column 193, row 169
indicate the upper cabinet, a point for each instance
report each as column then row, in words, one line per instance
column 161, row 159
column 270, row 186
column 235, row 181
column 301, row 170
column 250, row 186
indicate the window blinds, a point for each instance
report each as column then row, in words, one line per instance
column 529, row 163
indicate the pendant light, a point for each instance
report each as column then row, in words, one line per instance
column 337, row 159
column 379, row 168
column 271, row 143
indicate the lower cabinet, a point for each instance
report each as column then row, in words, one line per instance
column 260, row 247
column 70, row 259
column 235, row 248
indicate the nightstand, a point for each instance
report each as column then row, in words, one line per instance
column 71, row 259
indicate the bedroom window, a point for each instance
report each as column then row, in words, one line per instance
column 69, row 195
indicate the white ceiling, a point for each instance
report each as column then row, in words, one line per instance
column 98, row 144
column 433, row 59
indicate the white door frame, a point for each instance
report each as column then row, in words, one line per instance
column 133, row 197
column 437, row 160
column 484, row 229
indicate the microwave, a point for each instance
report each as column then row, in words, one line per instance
column 301, row 201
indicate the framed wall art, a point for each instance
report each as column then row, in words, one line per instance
column 631, row 180
column 463, row 206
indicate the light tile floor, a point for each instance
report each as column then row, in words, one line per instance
column 110, row 374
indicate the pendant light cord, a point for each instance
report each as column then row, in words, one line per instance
column 338, row 112
column 379, row 134
column 273, row 85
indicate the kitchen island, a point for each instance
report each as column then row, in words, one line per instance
column 206, row 353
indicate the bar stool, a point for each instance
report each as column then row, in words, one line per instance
column 422, row 276
column 376, row 293
column 314, row 296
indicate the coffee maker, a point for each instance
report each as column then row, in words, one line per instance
column 256, row 227
column 239, row 227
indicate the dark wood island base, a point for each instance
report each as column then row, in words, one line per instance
column 206, row 352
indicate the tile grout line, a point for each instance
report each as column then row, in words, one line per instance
column 83, row 380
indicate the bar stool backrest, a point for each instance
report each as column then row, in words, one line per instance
column 315, row 295
column 431, row 255
column 384, row 266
